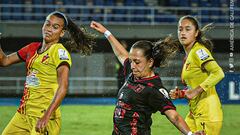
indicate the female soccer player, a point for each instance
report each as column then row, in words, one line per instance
column 142, row 93
column 200, row 74
column 47, row 63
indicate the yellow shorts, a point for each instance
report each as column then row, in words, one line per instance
column 210, row 128
column 22, row 124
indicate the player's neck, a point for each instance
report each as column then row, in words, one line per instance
column 188, row 48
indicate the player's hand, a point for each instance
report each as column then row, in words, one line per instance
column 177, row 93
column 41, row 124
column 98, row 26
column 173, row 93
column 199, row 133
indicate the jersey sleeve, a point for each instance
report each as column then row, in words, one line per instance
column 215, row 75
column 28, row 51
column 159, row 100
column 61, row 56
column 202, row 55
column 126, row 68
column 22, row 53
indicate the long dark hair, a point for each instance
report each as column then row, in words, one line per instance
column 201, row 37
column 159, row 51
column 80, row 40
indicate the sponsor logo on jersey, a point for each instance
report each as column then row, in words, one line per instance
column 202, row 54
column 164, row 92
column 32, row 80
column 63, row 54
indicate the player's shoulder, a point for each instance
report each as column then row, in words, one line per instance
column 200, row 51
column 32, row 46
column 58, row 46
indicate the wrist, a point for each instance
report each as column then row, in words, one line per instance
column 190, row 133
column 107, row 33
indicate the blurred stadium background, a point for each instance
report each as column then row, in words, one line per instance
column 129, row 20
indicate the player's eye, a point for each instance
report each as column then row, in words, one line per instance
column 56, row 26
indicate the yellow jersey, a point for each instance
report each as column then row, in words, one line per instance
column 206, row 106
column 41, row 80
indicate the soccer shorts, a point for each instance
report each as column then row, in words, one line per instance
column 22, row 124
column 210, row 128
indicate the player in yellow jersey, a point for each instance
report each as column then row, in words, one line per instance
column 47, row 63
column 200, row 74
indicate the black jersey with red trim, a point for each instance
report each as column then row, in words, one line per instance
column 136, row 101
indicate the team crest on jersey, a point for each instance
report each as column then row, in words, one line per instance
column 164, row 92
column 138, row 88
column 45, row 59
column 63, row 55
column 202, row 54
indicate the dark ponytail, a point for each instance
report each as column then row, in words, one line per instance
column 201, row 38
column 163, row 50
column 80, row 41
column 159, row 51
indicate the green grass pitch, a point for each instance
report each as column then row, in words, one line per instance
column 97, row 120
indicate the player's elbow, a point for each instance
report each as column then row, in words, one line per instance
column 4, row 63
column 221, row 74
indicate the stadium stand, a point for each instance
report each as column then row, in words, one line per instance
column 119, row 11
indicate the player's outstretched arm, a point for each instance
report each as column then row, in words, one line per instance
column 179, row 123
column 117, row 47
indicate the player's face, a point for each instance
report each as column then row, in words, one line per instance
column 52, row 29
column 141, row 67
column 187, row 32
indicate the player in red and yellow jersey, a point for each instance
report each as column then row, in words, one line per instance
column 47, row 63
column 200, row 74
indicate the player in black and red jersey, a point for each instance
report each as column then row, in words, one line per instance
column 142, row 93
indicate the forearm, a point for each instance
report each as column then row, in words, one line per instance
column 57, row 100
column 180, row 124
column 120, row 52
column 216, row 75
column 6, row 60
column 63, row 72
column 177, row 121
column 2, row 57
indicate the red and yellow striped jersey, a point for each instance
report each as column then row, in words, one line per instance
column 41, row 80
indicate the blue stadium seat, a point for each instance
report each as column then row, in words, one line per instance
column 216, row 3
column 6, row 10
column 17, row 10
column 71, row 10
column 129, row 2
column 138, row 12
column 173, row 3
column 49, row 2
column 224, row 16
column 194, row 3
column 183, row 3
column 204, row 3
column 109, row 3
column 28, row 10
column 97, row 12
column 39, row 12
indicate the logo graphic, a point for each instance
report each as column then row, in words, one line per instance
column 63, row 55
column 45, row 59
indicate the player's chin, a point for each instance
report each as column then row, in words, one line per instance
column 136, row 74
